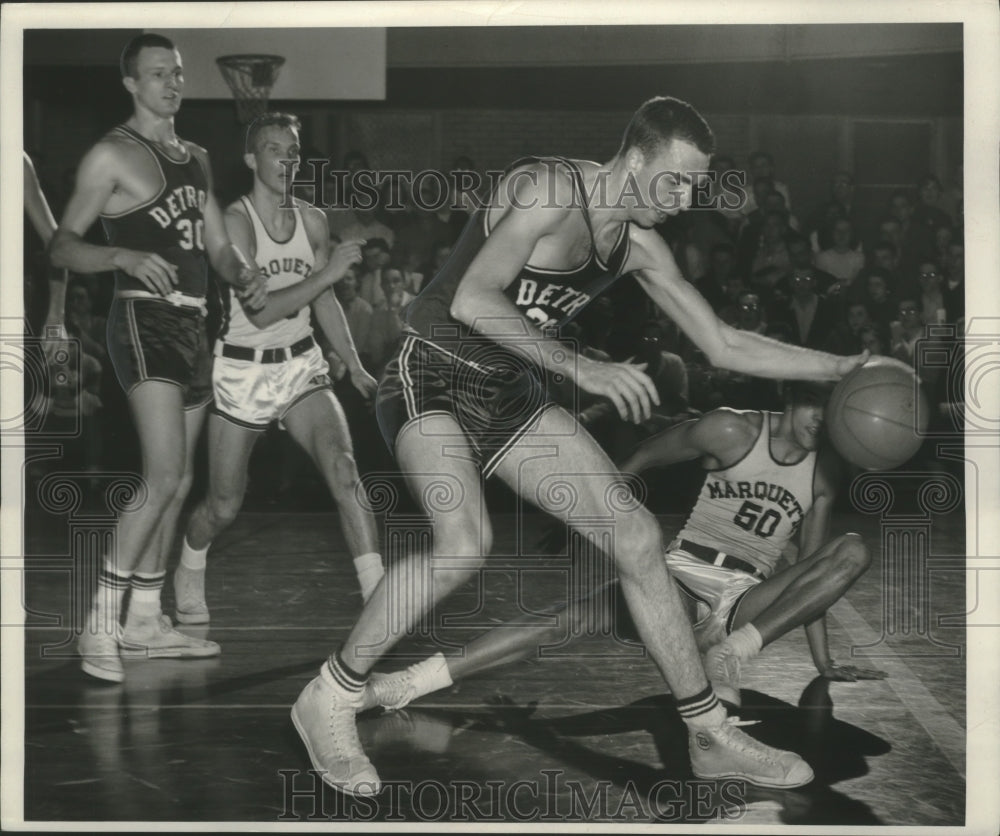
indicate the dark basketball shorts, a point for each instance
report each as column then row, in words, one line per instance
column 149, row 339
column 495, row 395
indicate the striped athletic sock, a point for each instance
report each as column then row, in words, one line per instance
column 111, row 587
column 146, row 588
column 703, row 710
column 343, row 677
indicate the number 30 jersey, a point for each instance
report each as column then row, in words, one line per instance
column 752, row 509
column 170, row 224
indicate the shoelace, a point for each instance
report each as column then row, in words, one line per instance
column 745, row 743
column 345, row 732
column 396, row 687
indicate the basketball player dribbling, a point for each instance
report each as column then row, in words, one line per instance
column 153, row 194
column 767, row 478
column 268, row 367
column 462, row 400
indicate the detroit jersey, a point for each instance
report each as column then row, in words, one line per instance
column 170, row 224
column 284, row 263
column 549, row 298
column 751, row 509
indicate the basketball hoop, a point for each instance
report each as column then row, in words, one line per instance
column 251, row 78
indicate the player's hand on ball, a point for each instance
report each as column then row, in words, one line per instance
column 626, row 385
column 846, row 365
column 154, row 271
column 364, row 383
column 851, row 673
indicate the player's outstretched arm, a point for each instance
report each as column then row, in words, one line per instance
column 96, row 178
column 480, row 302
column 725, row 347
column 718, row 436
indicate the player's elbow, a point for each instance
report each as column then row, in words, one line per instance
column 260, row 318
column 722, row 347
column 460, row 308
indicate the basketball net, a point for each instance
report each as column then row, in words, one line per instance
column 251, row 78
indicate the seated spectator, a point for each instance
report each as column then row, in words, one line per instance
column 932, row 298
column 846, row 337
column 749, row 236
column 913, row 242
column 802, row 260
column 762, row 166
column 884, row 260
column 954, row 270
column 844, row 259
column 750, row 314
column 340, row 191
column 727, row 212
column 440, row 253
column 871, row 341
column 375, row 257
column 775, row 202
column 842, row 204
column 771, row 262
column 810, row 317
column 358, row 314
column 929, row 213
column 877, row 298
column 367, row 227
column 397, row 212
column 721, row 267
column 386, row 322
column 821, row 235
column 905, row 331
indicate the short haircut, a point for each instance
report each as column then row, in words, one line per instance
column 377, row 244
column 662, row 119
column 761, row 155
column 806, row 391
column 272, row 119
column 129, row 59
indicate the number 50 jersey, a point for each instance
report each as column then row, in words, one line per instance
column 170, row 224
column 752, row 509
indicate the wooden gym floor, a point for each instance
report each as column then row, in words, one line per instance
column 586, row 734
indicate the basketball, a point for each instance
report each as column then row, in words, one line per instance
column 876, row 416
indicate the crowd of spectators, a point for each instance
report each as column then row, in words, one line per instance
column 829, row 277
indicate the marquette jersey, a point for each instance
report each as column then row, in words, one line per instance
column 751, row 509
column 171, row 224
column 284, row 263
column 549, row 298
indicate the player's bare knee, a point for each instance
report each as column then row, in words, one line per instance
column 223, row 509
column 852, row 556
column 344, row 473
column 162, row 485
column 638, row 546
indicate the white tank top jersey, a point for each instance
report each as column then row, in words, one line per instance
column 285, row 264
column 753, row 508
